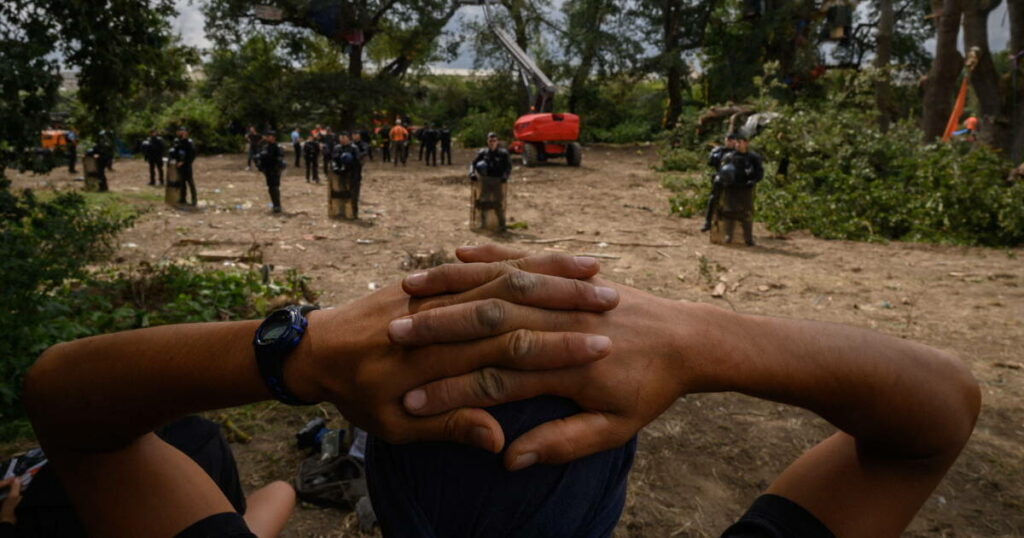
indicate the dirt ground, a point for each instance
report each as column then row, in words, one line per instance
column 703, row 461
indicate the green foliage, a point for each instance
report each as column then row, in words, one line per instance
column 475, row 126
column 43, row 244
column 204, row 119
column 55, row 287
column 847, row 180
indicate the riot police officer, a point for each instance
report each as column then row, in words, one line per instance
column 327, row 143
column 365, row 149
column 153, row 151
column 364, row 136
column 270, row 161
column 101, row 154
column 715, row 159
column 185, row 154
column 445, row 136
column 429, row 141
column 347, row 162
column 311, row 152
column 491, row 167
column 741, row 171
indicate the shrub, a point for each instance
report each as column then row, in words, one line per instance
column 847, row 180
column 475, row 126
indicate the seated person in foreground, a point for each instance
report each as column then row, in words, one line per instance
column 480, row 335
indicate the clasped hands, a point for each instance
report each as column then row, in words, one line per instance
column 419, row 361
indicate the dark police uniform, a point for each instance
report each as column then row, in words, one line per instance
column 311, row 152
column 715, row 159
column 254, row 147
column 739, row 174
column 72, row 149
column 491, row 168
column 418, row 135
column 368, row 141
column 430, row 137
column 184, row 151
column 347, row 162
column 327, row 143
column 153, row 150
column 270, row 161
column 445, row 136
column 385, row 145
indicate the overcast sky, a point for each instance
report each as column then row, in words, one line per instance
column 189, row 24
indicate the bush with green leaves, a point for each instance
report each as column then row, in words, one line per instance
column 848, row 180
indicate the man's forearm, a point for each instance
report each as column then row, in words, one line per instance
column 897, row 396
column 99, row 393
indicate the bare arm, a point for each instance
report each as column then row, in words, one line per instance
column 905, row 410
column 94, row 402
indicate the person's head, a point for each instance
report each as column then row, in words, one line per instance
column 439, row 489
column 730, row 140
column 153, row 132
column 492, row 140
column 296, row 129
column 182, row 132
column 742, row 144
column 357, row 136
column 398, row 121
column 270, row 136
column 252, row 128
column 344, row 137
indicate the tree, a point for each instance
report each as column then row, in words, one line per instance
column 883, row 58
column 680, row 26
column 1015, row 10
column 116, row 46
column 412, row 28
column 940, row 83
column 993, row 121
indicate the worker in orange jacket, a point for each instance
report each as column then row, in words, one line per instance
column 399, row 138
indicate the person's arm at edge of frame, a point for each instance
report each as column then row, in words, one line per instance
column 94, row 402
column 906, row 410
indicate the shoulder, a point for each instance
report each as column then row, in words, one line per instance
column 503, row 152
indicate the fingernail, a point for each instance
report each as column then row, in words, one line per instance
column 586, row 262
column 523, row 461
column 481, row 437
column 606, row 294
column 416, row 280
column 598, row 344
column 415, row 399
column 400, row 328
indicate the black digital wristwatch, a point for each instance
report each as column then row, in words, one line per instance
column 275, row 339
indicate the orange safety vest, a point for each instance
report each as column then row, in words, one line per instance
column 398, row 133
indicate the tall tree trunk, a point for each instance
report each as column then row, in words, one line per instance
column 1015, row 8
column 941, row 80
column 672, row 26
column 883, row 56
column 517, row 11
column 984, row 79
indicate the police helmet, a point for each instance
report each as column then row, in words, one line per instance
column 347, row 158
column 481, row 168
column 727, row 174
column 491, row 135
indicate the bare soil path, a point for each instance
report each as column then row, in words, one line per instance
column 703, row 461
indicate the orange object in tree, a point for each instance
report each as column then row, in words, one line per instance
column 971, row 123
column 958, row 109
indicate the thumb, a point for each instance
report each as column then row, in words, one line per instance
column 564, row 440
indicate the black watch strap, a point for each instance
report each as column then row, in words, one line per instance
column 270, row 359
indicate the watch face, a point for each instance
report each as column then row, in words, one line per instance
column 275, row 332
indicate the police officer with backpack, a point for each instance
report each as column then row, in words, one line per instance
column 490, row 168
column 184, row 154
column 270, row 161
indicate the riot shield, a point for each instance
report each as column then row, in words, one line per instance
column 487, row 204
column 172, row 192
column 341, row 202
column 91, row 168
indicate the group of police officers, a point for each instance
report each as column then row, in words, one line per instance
column 736, row 169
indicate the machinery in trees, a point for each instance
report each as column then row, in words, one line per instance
column 542, row 134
